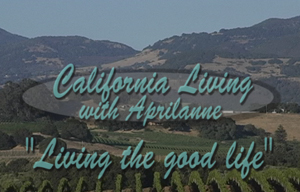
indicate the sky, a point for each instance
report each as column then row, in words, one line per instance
column 136, row 23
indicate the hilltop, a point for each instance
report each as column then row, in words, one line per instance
column 272, row 38
column 6, row 37
column 268, row 52
column 22, row 57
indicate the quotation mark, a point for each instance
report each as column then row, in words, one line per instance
column 31, row 144
column 270, row 142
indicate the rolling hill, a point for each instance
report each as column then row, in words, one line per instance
column 268, row 51
column 21, row 57
column 272, row 38
column 6, row 37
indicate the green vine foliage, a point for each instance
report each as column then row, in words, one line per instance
column 10, row 187
column 235, row 176
column 26, row 186
column 138, row 183
column 118, row 183
column 63, row 185
column 45, row 186
column 195, row 178
column 81, row 184
column 261, row 180
column 176, row 180
column 280, row 177
column 98, row 186
column 217, row 177
column 293, row 174
column 286, row 177
column 157, row 182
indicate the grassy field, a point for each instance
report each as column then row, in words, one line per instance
column 10, row 127
column 271, row 121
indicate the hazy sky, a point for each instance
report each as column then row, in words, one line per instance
column 136, row 23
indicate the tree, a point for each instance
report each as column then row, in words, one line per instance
column 176, row 126
column 20, row 135
column 221, row 129
column 12, row 106
column 280, row 134
column 38, row 139
column 59, row 144
column 76, row 129
column 291, row 108
column 6, row 141
column 250, row 129
column 49, row 129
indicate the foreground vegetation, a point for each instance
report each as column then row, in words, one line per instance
column 20, row 121
column 267, row 180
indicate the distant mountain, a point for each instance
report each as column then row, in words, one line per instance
column 37, row 57
column 272, row 38
column 6, row 37
column 268, row 51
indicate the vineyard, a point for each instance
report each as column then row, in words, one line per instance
column 10, row 127
column 162, row 143
column 269, row 180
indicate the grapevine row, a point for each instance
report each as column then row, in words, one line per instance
column 282, row 176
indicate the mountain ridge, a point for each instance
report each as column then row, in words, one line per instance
column 7, row 37
column 272, row 38
column 47, row 55
column 268, row 51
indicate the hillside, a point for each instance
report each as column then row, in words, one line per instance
column 270, row 122
column 6, row 37
column 268, row 51
column 272, row 38
column 22, row 58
